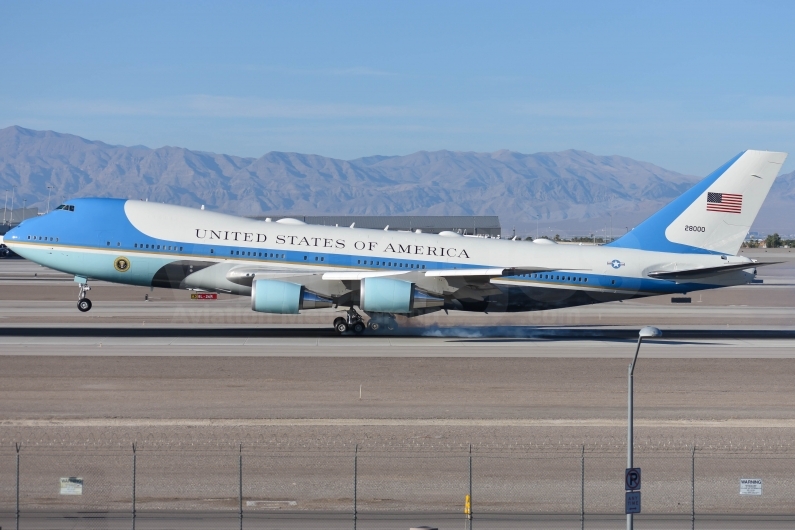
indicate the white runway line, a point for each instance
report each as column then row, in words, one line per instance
column 398, row 422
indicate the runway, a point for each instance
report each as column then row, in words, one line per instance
column 173, row 373
column 143, row 345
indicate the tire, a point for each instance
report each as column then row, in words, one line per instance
column 358, row 328
column 84, row 305
column 374, row 325
column 337, row 322
column 340, row 326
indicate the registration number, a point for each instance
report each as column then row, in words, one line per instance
column 691, row 228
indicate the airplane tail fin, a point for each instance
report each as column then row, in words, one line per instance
column 715, row 215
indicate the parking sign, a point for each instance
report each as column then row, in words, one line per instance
column 632, row 479
column 632, row 502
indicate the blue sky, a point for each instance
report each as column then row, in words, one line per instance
column 685, row 85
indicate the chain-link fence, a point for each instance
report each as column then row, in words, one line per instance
column 246, row 486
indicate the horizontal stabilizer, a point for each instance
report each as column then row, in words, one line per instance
column 704, row 272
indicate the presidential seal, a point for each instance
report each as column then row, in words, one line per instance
column 122, row 264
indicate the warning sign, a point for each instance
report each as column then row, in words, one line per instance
column 750, row 486
column 71, row 486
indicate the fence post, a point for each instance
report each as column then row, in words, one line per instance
column 133, row 485
column 18, row 446
column 355, row 477
column 240, row 484
column 582, row 488
column 469, row 515
column 693, row 488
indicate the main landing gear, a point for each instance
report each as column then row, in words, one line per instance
column 83, row 303
column 354, row 322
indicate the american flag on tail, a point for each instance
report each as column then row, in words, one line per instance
column 724, row 202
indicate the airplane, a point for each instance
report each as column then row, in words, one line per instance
column 288, row 266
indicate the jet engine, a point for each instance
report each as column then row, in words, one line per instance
column 386, row 295
column 273, row 296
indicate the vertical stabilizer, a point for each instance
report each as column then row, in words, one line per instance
column 715, row 215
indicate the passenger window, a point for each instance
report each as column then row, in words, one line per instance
column 212, row 251
column 180, row 249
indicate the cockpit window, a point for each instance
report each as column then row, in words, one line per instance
column 67, row 207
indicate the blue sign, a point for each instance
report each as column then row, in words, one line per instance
column 632, row 478
column 632, row 502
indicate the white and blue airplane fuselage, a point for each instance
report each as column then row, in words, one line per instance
column 288, row 266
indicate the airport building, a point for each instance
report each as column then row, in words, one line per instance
column 479, row 225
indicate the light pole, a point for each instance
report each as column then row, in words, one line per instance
column 5, row 208
column 24, row 207
column 49, row 189
column 13, row 193
column 645, row 333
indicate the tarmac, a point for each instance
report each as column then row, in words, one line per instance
column 156, row 363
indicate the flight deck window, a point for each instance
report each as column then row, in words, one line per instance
column 212, row 251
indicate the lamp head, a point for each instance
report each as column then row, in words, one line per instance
column 648, row 332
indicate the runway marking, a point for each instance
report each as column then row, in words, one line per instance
column 385, row 422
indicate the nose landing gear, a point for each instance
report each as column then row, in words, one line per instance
column 83, row 303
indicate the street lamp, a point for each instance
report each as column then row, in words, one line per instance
column 49, row 189
column 646, row 332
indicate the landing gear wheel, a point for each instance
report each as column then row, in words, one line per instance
column 84, row 304
column 340, row 326
column 374, row 325
column 358, row 328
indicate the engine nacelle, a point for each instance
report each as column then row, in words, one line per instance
column 284, row 298
column 387, row 295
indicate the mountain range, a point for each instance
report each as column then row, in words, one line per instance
column 569, row 191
